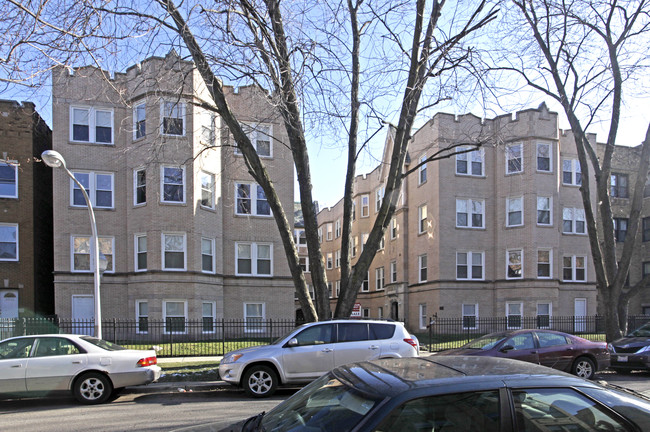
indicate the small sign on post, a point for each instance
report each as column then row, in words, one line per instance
column 356, row 311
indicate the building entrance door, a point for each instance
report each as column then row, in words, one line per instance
column 8, row 304
column 580, row 314
column 83, row 314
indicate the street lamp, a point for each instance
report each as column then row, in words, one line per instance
column 54, row 159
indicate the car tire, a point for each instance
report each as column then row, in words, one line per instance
column 260, row 381
column 92, row 388
column 584, row 367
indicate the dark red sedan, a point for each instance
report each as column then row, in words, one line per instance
column 550, row 348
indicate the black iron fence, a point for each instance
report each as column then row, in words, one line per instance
column 448, row 333
column 171, row 337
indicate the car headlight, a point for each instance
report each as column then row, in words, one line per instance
column 610, row 347
column 644, row 349
column 231, row 358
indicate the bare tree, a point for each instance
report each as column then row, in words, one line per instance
column 586, row 55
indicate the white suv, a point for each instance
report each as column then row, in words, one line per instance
column 313, row 349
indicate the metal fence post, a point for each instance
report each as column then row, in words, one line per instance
column 223, row 337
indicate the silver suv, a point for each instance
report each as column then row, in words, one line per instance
column 313, row 349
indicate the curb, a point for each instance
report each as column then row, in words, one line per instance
column 180, row 387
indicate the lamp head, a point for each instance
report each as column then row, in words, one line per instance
column 53, row 159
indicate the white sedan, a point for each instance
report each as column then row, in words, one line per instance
column 92, row 369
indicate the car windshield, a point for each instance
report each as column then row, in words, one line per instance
column 281, row 338
column 325, row 404
column 643, row 331
column 108, row 346
column 486, row 342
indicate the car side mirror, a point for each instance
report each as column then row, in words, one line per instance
column 292, row 342
column 506, row 348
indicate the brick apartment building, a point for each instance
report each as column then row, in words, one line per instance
column 25, row 213
column 499, row 231
column 186, row 232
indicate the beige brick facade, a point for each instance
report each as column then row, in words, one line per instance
column 185, row 235
column 25, row 213
column 500, row 259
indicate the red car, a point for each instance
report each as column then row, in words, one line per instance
column 550, row 348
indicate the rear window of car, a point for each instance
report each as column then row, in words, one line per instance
column 382, row 331
column 108, row 346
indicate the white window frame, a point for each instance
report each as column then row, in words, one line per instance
column 550, row 263
column 423, row 318
column 210, row 190
column 393, row 271
column 253, row 190
column 423, row 268
column 469, row 207
column 91, row 259
column 137, row 252
column 165, row 316
column 17, row 242
column 574, row 268
column 380, row 280
column 475, row 315
column 213, row 316
column 137, row 109
column 470, row 158
column 509, row 253
column 575, row 170
column 550, row 314
column 255, row 259
column 337, row 287
column 549, row 201
column 393, row 228
column 92, row 124
column 422, row 219
column 365, row 205
column 164, row 251
column 92, row 189
column 337, row 258
column 212, row 255
column 576, row 215
column 469, row 255
column 511, row 155
column 337, row 228
column 162, row 184
column 510, row 209
column 354, row 245
column 365, row 284
column 422, row 170
column 329, row 262
column 181, row 113
column 382, row 243
column 255, row 329
column 137, row 186
column 549, row 146
column 255, row 133
column 379, row 197
column 13, row 165
column 329, row 231
column 520, row 315
column 138, row 315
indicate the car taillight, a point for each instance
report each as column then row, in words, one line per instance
column 411, row 342
column 147, row 361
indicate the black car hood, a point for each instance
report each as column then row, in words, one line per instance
column 631, row 342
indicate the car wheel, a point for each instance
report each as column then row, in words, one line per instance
column 92, row 388
column 584, row 367
column 260, row 381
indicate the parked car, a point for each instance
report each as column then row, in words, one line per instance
column 451, row 394
column 311, row 350
column 632, row 351
column 550, row 348
column 92, row 369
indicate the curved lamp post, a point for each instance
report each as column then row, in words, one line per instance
column 54, row 159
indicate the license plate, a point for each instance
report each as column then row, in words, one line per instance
column 622, row 358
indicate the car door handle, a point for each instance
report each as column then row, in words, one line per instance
column 373, row 347
column 17, row 366
column 76, row 362
column 326, row 350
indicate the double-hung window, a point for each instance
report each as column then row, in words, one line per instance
column 365, row 285
column 619, row 185
column 99, row 187
column 82, row 260
column 337, row 258
column 573, row 221
column 172, row 184
column 207, row 255
column 544, row 263
column 393, row 229
column 422, row 268
column 139, row 121
column 514, row 314
column 207, row 189
column 174, row 247
column 515, row 264
column 328, row 230
column 645, row 227
column 470, row 316
column 470, row 213
column 8, row 180
column 574, row 268
column 379, row 278
column 209, row 316
column 620, row 229
column 251, row 200
column 422, row 219
column 544, row 157
column 260, row 137
column 470, row 163
column 393, row 271
column 254, row 314
column 423, row 318
column 172, row 114
column 514, row 158
column 515, row 211
column 91, row 125
column 379, row 197
column 422, row 172
column 337, row 228
column 365, row 205
column 140, row 244
column 544, row 313
column 329, row 261
column 469, row 265
column 571, row 172
column 8, row 242
column 175, row 316
column 139, row 186
column 254, row 259
column 142, row 316
column 544, row 211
